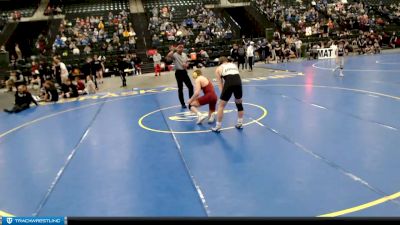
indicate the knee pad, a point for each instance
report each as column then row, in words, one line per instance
column 239, row 106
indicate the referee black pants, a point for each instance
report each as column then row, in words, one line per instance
column 182, row 77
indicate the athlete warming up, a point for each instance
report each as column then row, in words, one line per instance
column 340, row 58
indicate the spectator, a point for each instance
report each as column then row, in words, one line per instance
column 36, row 82
column 18, row 52
column 76, row 51
column 60, row 70
column 157, row 63
column 10, row 83
column 250, row 55
column 298, row 44
column 69, row 90
column 242, row 57
column 50, row 92
column 3, row 49
column 132, row 42
column 393, row 40
column 87, row 50
column 138, row 64
column 23, row 99
column 90, row 85
column 80, row 86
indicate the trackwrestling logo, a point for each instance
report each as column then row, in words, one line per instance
column 33, row 220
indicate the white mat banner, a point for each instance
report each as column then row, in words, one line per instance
column 326, row 53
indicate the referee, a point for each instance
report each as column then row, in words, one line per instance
column 180, row 60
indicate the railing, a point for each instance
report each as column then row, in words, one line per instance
column 235, row 27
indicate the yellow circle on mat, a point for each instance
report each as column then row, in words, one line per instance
column 263, row 115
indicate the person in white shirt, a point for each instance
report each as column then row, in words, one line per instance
column 76, row 51
column 298, row 44
column 63, row 69
column 18, row 52
column 157, row 63
column 250, row 55
column 90, row 86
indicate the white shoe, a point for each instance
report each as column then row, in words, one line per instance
column 341, row 74
column 216, row 129
column 200, row 119
column 212, row 118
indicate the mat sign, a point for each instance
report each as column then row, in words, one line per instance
column 326, row 53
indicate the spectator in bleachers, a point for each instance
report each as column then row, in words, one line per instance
column 16, row 15
column 298, row 44
column 125, row 47
column 155, row 41
column 87, row 50
column 137, row 62
column 18, row 52
column 132, row 32
column 155, row 11
column 110, row 48
column 76, row 50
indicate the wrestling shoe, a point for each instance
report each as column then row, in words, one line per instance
column 239, row 126
column 216, row 129
column 212, row 118
column 200, row 119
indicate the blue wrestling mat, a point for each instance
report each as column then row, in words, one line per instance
column 313, row 144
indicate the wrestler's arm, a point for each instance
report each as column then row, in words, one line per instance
column 197, row 90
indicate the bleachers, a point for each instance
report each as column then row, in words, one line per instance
column 78, row 60
column 238, row 1
column 26, row 8
column 216, row 48
column 98, row 6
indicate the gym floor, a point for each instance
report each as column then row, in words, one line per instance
column 314, row 144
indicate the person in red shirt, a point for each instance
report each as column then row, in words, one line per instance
column 80, row 85
column 209, row 97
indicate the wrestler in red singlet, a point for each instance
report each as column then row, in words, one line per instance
column 209, row 97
